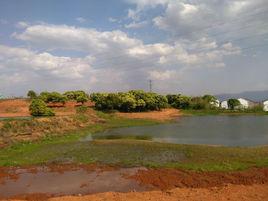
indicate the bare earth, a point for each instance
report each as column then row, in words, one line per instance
column 20, row 108
column 229, row 192
column 163, row 115
column 14, row 108
column 165, row 184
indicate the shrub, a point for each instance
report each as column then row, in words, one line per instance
column 53, row 97
column 81, row 109
column 233, row 103
column 39, row 108
column 182, row 102
column 172, row 98
column 132, row 101
column 31, row 94
column 198, row 103
column 78, row 96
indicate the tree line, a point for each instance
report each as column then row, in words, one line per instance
column 131, row 101
column 38, row 106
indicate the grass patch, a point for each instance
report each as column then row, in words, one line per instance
column 133, row 153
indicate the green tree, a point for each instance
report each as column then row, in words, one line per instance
column 199, row 103
column 53, row 97
column 39, row 108
column 82, row 99
column 172, row 98
column 78, row 96
column 135, row 100
column 182, row 102
column 233, row 103
column 31, row 94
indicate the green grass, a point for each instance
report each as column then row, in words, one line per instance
column 133, row 153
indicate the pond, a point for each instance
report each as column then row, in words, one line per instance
column 209, row 130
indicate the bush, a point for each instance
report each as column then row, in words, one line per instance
column 181, row 102
column 39, row 108
column 53, row 97
column 197, row 103
column 31, row 94
column 172, row 98
column 81, row 109
column 132, row 101
column 78, row 96
column 233, row 103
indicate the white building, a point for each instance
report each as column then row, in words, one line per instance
column 224, row 104
column 1, row 96
column 244, row 104
column 265, row 106
column 215, row 103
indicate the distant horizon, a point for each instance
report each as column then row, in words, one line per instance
column 189, row 47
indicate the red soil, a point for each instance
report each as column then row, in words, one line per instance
column 163, row 115
column 20, row 108
column 227, row 193
column 14, row 108
column 173, row 184
column 172, row 178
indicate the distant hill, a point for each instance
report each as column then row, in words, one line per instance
column 257, row 96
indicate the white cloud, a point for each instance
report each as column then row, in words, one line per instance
column 21, row 59
column 136, row 25
column 22, row 24
column 111, row 19
column 80, row 19
column 112, row 55
column 161, row 75
column 80, row 39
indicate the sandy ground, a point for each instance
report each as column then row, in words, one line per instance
column 163, row 115
column 20, row 108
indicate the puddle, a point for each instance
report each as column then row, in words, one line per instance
column 69, row 182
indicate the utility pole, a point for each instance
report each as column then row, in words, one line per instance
column 150, row 85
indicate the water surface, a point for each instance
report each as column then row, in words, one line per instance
column 211, row 130
column 69, row 182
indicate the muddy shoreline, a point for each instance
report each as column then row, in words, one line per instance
column 43, row 182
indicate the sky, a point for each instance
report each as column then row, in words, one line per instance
column 192, row 47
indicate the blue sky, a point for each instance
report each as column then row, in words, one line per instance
column 191, row 47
